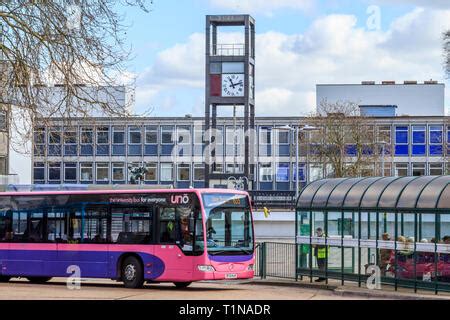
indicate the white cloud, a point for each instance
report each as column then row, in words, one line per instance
column 266, row 7
column 332, row 50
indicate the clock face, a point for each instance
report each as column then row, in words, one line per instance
column 232, row 85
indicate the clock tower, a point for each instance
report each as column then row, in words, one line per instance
column 229, row 81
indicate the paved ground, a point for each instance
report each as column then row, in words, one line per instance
column 103, row 289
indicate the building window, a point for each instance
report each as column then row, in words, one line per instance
column 102, row 135
column 401, row 169
column 118, row 171
column 401, row 141
column 435, row 141
column 39, row 171
column 70, row 171
column 234, row 168
column 151, row 134
column 436, row 169
column 39, row 142
column 86, row 135
column 384, row 135
column 265, row 172
column 54, row 171
column 183, row 134
column 152, row 171
column 118, row 135
column 134, row 136
column 418, row 169
column 283, row 172
column 199, row 135
column 86, row 171
column 167, row 135
column 166, row 172
column 217, row 135
column 102, row 171
column 3, row 121
column 265, row 135
column 217, row 167
column 199, row 172
column 70, row 136
column 301, row 172
column 184, row 172
column 418, row 140
column 54, row 137
column 283, row 137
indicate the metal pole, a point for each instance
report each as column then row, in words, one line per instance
column 234, row 140
column 382, row 161
column 297, row 178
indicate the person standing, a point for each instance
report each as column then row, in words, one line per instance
column 321, row 253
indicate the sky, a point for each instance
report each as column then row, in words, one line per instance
column 299, row 43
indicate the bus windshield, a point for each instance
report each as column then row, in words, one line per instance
column 229, row 228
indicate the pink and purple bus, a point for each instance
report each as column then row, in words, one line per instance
column 168, row 235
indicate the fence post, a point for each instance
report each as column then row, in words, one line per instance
column 263, row 262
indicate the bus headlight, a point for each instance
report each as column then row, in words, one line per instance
column 205, row 268
column 250, row 267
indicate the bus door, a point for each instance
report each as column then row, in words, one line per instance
column 174, row 242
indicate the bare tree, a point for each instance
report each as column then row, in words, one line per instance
column 447, row 52
column 78, row 44
column 344, row 141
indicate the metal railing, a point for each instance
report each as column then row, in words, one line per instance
column 276, row 260
column 233, row 49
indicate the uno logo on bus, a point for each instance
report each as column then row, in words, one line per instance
column 179, row 199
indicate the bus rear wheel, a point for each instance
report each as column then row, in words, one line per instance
column 38, row 279
column 132, row 273
column 181, row 285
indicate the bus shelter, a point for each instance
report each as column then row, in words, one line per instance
column 397, row 228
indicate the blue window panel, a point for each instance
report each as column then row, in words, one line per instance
column 151, row 150
column 417, row 137
column 102, row 182
column 435, row 136
column 283, row 172
column 301, row 172
column 119, row 181
column 39, row 174
column 70, row 150
column 118, row 150
column 401, row 150
column 54, row 182
column 86, row 182
column 39, row 150
column 418, row 150
column 448, row 135
column 135, row 150
column 284, row 150
column 183, row 184
column 436, row 150
column 166, row 149
column 283, row 186
column 351, row 150
column 199, row 184
column 151, row 182
column 265, row 186
column 367, row 150
column 401, row 136
column 86, row 150
column 102, row 150
column 54, row 150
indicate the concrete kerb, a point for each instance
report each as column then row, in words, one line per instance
column 348, row 291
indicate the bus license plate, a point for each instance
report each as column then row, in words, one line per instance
column 231, row 276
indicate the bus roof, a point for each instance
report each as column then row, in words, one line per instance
column 81, row 189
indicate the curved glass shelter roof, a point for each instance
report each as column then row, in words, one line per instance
column 402, row 193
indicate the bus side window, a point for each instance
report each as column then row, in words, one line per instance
column 6, row 233
column 167, row 225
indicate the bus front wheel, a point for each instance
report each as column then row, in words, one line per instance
column 132, row 273
column 38, row 279
column 181, row 285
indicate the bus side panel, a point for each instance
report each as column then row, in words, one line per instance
column 25, row 259
column 92, row 259
column 152, row 265
column 4, row 248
